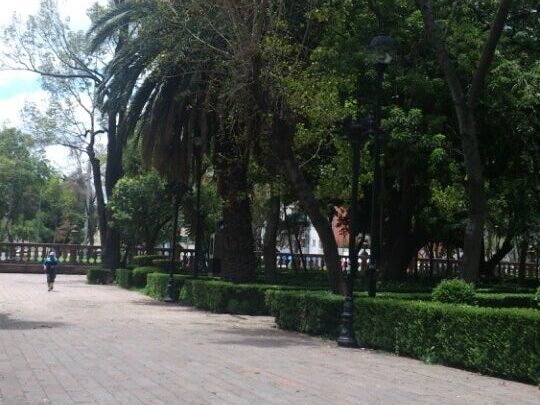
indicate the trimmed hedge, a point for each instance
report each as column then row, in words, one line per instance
column 506, row 300
column 146, row 260
column 156, row 285
column 140, row 273
column 502, row 341
column 225, row 297
column 481, row 300
column 315, row 313
column 124, row 278
column 97, row 275
column 165, row 263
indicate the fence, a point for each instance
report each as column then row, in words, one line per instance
column 33, row 253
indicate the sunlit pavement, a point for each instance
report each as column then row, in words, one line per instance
column 83, row 344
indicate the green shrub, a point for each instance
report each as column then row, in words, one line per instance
column 315, row 313
column 157, row 283
column 124, row 278
column 140, row 273
column 97, row 275
column 225, row 297
column 454, row 291
column 482, row 300
column 165, row 263
column 146, row 260
column 503, row 341
column 537, row 297
column 506, row 300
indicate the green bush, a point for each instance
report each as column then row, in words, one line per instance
column 482, row 300
column 140, row 273
column 97, row 275
column 502, row 342
column 124, row 278
column 454, row 291
column 225, row 297
column 315, row 313
column 165, row 263
column 157, row 283
column 146, row 260
column 506, row 300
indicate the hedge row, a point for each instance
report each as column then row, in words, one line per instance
column 499, row 341
column 225, row 297
column 502, row 341
column 506, row 300
column 157, row 283
column 140, row 274
column 315, row 313
column 97, row 275
column 481, row 300
column 124, row 278
column 146, row 260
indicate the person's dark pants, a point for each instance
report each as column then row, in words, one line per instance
column 51, row 275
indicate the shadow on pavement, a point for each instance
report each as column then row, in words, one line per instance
column 7, row 323
column 262, row 338
column 155, row 303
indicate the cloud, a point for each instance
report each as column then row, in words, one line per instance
column 10, row 108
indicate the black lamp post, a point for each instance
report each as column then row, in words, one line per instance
column 197, row 142
column 356, row 132
column 382, row 48
column 177, row 190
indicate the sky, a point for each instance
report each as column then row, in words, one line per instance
column 18, row 87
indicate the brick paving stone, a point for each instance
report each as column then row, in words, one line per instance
column 84, row 344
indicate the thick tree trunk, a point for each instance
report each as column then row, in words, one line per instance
column 113, row 173
column 474, row 232
column 400, row 239
column 282, row 137
column 237, row 247
column 270, row 237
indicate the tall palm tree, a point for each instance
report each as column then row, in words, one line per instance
column 185, row 72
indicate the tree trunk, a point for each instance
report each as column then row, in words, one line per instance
column 282, row 138
column 474, row 231
column 100, row 198
column 113, row 173
column 237, row 253
column 464, row 105
column 294, row 262
column 400, row 238
column 523, row 249
column 487, row 268
column 270, row 237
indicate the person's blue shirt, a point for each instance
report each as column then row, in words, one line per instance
column 50, row 261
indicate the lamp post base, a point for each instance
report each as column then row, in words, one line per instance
column 346, row 336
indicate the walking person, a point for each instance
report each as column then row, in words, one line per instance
column 50, row 268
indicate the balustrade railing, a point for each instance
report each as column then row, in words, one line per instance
column 37, row 252
column 73, row 254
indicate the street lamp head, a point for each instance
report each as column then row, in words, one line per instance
column 382, row 49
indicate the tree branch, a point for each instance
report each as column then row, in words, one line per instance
column 489, row 49
column 458, row 95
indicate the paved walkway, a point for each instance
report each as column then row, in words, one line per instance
column 86, row 344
